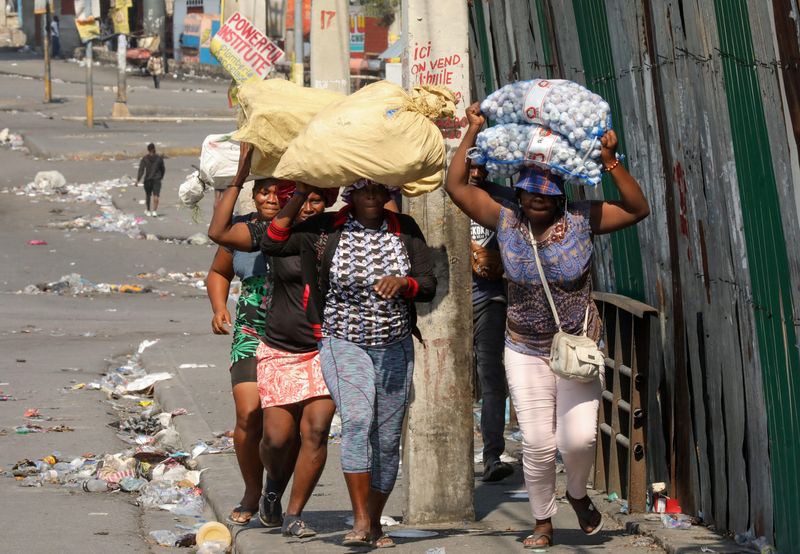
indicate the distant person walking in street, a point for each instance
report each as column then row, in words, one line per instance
column 363, row 268
column 488, row 331
column 151, row 169
column 155, row 67
column 55, row 38
column 251, row 319
column 554, row 413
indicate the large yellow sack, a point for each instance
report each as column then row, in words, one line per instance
column 381, row 133
column 273, row 113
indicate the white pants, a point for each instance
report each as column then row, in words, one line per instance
column 552, row 413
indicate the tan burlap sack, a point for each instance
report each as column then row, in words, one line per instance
column 380, row 132
column 273, row 113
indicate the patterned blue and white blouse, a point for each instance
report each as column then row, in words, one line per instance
column 353, row 310
column 567, row 264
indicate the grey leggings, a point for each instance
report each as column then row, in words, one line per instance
column 369, row 385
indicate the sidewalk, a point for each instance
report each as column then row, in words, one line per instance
column 502, row 521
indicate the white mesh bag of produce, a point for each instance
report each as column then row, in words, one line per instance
column 191, row 192
column 563, row 106
column 505, row 149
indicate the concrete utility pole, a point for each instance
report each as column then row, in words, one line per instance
column 89, row 87
column 120, row 108
column 298, row 67
column 438, row 449
column 48, row 91
column 330, row 45
column 155, row 17
column 89, row 83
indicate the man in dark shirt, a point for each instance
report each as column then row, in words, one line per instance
column 489, row 325
column 151, row 168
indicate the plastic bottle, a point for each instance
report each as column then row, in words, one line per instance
column 212, row 547
column 31, row 481
column 95, row 485
column 164, row 537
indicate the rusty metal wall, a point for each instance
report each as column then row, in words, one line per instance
column 707, row 96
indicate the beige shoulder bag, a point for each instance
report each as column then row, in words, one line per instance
column 573, row 357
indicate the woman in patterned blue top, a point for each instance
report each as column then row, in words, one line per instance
column 554, row 413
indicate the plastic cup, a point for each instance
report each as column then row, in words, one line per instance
column 213, row 531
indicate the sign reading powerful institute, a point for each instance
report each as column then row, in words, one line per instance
column 244, row 51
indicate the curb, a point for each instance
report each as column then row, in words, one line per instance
column 672, row 541
column 221, row 479
column 221, row 486
column 169, row 152
column 153, row 118
column 218, row 469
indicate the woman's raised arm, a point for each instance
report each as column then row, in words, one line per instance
column 473, row 201
column 222, row 230
column 609, row 216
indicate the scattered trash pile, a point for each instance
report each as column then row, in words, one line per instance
column 668, row 512
column 196, row 279
column 12, row 140
column 31, row 416
column 155, row 468
column 52, row 184
column 130, row 380
column 76, row 285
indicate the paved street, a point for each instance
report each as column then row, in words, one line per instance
column 49, row 342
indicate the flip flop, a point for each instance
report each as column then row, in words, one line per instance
column 245, row 513
column 588, row 517
column 354, row 538
column 384, row 541
column 530, row 542
column 295, row 527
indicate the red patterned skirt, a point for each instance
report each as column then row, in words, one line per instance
column 288, row 378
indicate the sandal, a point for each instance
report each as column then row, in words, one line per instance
column 356, row 538
column 588, row 517
column 295, row 527
column 384, row 541
column 244, row 515
column 269, row 510
column 531, row 542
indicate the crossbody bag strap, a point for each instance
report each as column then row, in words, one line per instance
column 544, row 279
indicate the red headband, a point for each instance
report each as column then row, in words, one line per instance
column 284, row 190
